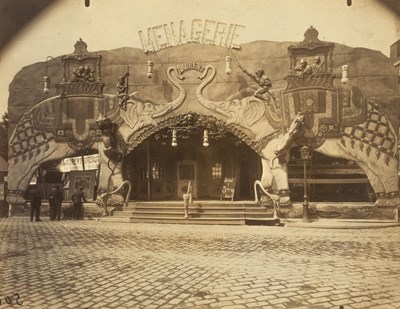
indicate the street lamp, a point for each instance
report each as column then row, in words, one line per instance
column 305, row 156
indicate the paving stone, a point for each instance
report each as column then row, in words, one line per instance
column 110, row 265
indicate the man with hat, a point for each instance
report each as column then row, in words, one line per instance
column 55, row 201
column 35, row 200
column 77, row 199
column 317, row 66
column 303, row 68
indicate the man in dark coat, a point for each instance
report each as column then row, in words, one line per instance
column 55, row 201
column 35, row 200
column 77, row 199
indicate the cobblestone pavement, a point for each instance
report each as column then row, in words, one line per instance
column 92, row 264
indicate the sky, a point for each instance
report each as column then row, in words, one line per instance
column 110, row 24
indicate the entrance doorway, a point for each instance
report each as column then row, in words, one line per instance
column 187, row 173
column 160, row 171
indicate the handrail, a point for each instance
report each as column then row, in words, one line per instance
column 273, row 197
column 105, row 196
column 119, row 188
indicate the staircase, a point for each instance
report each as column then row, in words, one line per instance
column 200, row 212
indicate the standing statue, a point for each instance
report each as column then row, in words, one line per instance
column 122, row 90
column 108, row 132
column 303, row 68
column 88, row 74
column 262, row 80
column 77, row 75
column 317, row 66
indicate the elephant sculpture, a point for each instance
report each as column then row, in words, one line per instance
column 58, row 128
column 371, row 144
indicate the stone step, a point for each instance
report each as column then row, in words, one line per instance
column 191, row 215
column 201, row 204
column 207, row 213
column 200, row 212
column 168, row 220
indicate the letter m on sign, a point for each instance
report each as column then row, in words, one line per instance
column 148, row 43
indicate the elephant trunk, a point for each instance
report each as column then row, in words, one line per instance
column 178, row 101
column 209, row 104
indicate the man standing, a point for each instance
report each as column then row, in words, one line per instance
column 35, row 200
column 55, row 201
column 77, row 199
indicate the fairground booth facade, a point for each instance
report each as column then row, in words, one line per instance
column 195, row 113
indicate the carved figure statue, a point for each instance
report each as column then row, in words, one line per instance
column 122, row 90
column 88, row 74
column 303, row 68
column 77, row 75
column 316, row 67
column 82, row 74
column 108, row 131
column 261, row 79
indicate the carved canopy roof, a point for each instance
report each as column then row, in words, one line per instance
column 311, row 43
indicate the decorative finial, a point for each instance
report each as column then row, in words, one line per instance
column 311, row 35
column 80, row 47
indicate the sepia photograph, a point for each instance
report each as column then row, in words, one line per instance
column 199, row 154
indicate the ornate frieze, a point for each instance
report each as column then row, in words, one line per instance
column 310, row 63
column 317, row 81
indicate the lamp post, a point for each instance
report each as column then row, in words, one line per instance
column 305, row 156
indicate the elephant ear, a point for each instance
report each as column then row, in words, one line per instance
column 254, row 111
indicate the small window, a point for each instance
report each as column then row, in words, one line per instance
column 145, row 174
column 216, row 171
column 156, row 171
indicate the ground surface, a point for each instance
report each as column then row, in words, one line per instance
column 92, row 264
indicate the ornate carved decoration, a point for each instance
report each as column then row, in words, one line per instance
column 310, row 42
column 202, row 120
column 319, row 74
column 318, row 81
column 139, row 113
column 82, row 73
column 243, row 108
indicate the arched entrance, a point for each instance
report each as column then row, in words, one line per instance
column 161, row 171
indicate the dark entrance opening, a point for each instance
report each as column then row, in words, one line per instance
column 160, row 171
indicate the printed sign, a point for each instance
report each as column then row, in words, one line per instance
column 228, row 188
column 75, row 164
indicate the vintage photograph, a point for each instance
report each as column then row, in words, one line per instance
column 199, row 154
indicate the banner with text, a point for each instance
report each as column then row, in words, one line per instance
column 75, row 163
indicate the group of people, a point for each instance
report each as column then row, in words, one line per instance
column 56, row 198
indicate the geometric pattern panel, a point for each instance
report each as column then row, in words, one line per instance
column 375, row 132
column 27, row 141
